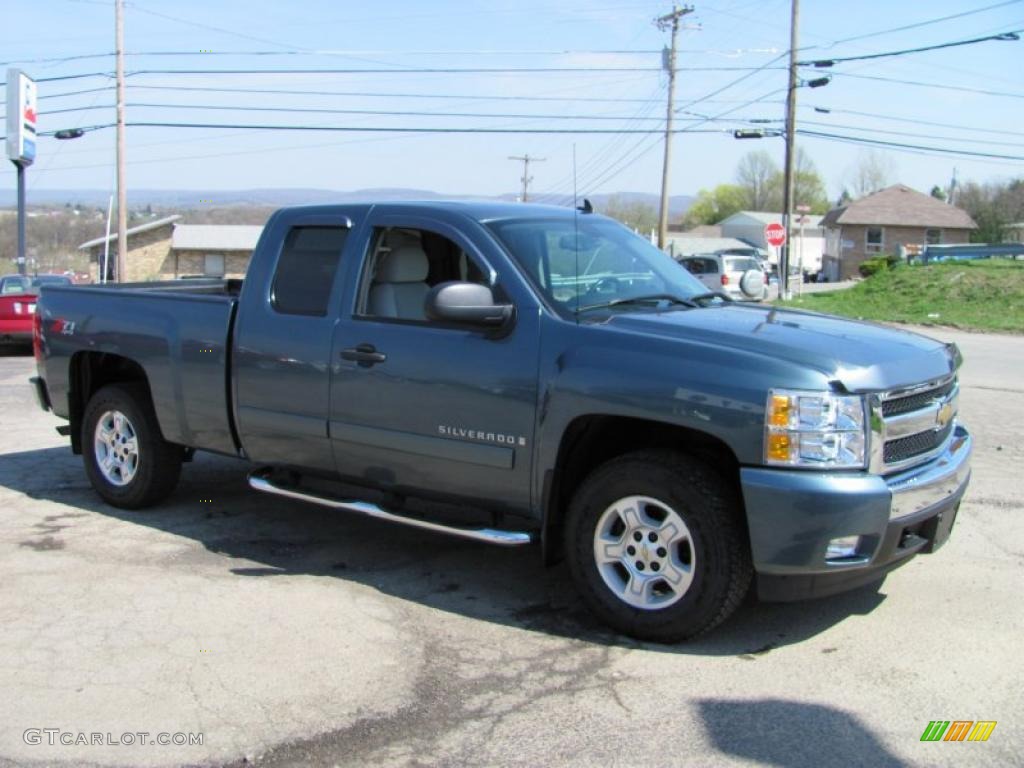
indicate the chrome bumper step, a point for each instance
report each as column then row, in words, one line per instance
column 260, row 481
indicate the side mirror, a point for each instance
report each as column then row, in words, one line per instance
column 466, row 304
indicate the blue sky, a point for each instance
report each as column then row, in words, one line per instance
column 498, row 34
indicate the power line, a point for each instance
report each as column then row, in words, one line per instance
column 354, row 54
column 926, row 23
column 913, row 134
column 370, row 94
column 598, row 159
column 388, row 129
column 912, row 120
column 399, row 70
column 920, row 147
column 735, row 82
column 612, row 172
column 327, row 111
column 942, row 86
column 1005, row 36
column 75, row 93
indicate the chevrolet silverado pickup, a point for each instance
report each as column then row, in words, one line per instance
column 517, row 373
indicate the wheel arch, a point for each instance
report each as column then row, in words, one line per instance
column 91, row 371
column 591, row 440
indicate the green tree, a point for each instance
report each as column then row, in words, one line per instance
column 992, row 206
column 938, row 193
column 808, row 186
column 711, row 206
column 636, row 215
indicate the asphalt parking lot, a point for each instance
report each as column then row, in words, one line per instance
column 290, row 635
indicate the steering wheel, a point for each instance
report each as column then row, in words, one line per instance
column 606, row 286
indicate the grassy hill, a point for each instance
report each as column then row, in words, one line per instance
column 978, row 295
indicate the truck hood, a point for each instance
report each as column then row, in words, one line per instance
column 861, row 356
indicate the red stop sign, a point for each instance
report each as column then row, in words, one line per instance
column 775, row 234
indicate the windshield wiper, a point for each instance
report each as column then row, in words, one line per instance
column 711, row 295
column 640, row 300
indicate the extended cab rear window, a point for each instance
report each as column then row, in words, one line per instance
column 305, row 272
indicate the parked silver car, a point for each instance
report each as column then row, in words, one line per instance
column 740, row 277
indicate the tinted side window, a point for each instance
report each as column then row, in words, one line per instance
column 305, row 272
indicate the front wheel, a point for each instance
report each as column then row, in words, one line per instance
column 127, row 460
column 656, row 547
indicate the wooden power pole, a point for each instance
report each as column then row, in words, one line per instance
column 668, row 21
column 122, row 190
column 527, row 178
column 788, row 180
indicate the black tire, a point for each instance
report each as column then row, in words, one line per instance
column 710, row 509
column 159, row 462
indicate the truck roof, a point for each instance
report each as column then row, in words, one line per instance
column 483, row 210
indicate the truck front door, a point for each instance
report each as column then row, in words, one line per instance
column 417, row 405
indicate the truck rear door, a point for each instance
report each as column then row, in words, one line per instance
column 422, row 406
column 282, row 350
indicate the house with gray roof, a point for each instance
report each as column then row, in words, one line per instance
column 894, row 221
column 165, row 249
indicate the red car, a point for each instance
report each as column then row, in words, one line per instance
column 18, row 295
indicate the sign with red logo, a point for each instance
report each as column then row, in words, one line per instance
column 775, row 234
column 21, row 117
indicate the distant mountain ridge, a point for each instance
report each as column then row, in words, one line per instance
column 187, row 198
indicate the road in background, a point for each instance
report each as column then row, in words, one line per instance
column 290, row 635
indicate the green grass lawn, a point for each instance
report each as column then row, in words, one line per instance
column 975, row 295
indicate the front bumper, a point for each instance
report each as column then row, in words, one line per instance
column 792, row 516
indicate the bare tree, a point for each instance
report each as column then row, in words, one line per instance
column 874, row 171
column 756, row 174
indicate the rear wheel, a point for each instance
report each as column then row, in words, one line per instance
column 127, row 460
column 656, row 547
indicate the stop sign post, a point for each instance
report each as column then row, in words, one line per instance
column 775, row 236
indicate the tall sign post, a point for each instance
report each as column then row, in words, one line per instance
column 21, row 141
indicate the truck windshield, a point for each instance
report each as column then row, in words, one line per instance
column 593, row 262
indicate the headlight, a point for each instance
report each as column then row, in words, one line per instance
column 814, row 429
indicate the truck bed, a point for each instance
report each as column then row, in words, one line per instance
column 179, row 332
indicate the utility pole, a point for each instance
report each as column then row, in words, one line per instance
column 668, row 21
column 122, row 190
column 527, row 178
column 788, row 181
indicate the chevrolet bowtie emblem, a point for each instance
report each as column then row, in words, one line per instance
column 944, row 416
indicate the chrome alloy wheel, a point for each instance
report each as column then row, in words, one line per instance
column 116, row 447
column 644, row 552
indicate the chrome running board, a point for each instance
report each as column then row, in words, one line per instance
column 259, row 482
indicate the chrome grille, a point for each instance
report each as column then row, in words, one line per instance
column 913, row 424
column 916, row 401
column 904, row 448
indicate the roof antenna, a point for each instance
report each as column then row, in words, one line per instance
column 576, row 233
column 586, row 207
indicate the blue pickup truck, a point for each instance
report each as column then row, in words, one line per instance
column 520, row 373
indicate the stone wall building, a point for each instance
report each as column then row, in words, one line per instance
column 166, row 250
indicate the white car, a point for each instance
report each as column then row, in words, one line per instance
column 739, row 277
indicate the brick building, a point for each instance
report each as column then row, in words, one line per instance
column 166, row 249
column 893, row 221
